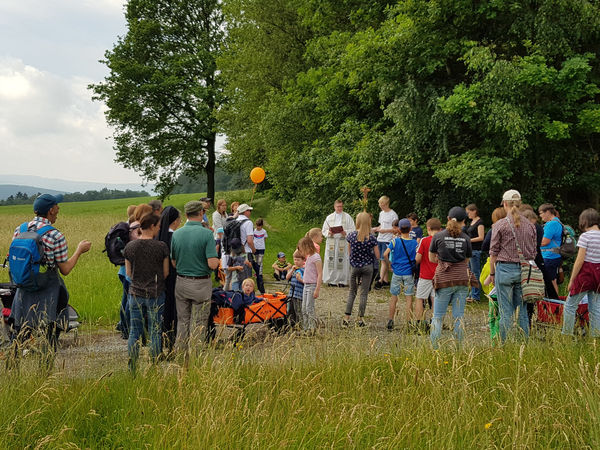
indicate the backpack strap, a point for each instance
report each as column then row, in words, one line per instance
column 24, row 227
column 45, row 229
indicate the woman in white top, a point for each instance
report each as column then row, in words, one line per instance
column 219, row 216
column 585, row 278
column 387, row 216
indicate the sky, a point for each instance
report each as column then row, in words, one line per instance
column 49, row 52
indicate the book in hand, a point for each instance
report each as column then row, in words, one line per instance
column 336, row 230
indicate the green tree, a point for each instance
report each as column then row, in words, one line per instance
column 163, row 90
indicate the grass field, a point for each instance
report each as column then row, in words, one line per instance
column 356, row 388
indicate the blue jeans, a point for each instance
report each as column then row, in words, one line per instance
column 475, row 266
column 457, row 295
column 571, row 308
column 508, row 285
column 124, row 310
column 154, row 307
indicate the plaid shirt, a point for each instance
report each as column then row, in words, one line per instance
column 54, row 242
column 503, row 241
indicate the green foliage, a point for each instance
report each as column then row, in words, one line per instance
column 163, row 89
column 433, row 103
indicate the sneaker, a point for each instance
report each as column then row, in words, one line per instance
column 390, row 325
column 361, row 323
column 345, row 323
column 378, row 285
column 385, row 283
column 276, row 276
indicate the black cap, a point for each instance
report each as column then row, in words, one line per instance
column 458, row 213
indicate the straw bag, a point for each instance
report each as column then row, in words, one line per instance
column 532, row 280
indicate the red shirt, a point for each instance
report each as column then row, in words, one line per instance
column 427, row 267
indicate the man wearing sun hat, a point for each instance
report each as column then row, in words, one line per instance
column 47, row 305
column 194, row 256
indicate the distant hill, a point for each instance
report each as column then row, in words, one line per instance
column 6, row 190
column 59, row 185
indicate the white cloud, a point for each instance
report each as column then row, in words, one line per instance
column 50, row 127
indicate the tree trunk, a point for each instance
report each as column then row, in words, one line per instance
column 210, row 167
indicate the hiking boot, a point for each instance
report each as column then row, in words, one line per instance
column 390, row 325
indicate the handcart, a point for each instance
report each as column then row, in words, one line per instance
column 550, row 313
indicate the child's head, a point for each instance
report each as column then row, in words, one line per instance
column 220, row 233
column 413, row 218
column 259, row 223
column 384, row 202
column 298, row 259
column 315, row 235
column 404, row 226
column 433, row 226
column 306, row 247
column 281, row 256
column 248, row 286
column 396, row 231
column 588, row 218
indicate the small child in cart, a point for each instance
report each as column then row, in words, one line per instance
column 295, row 276
column 248, row 295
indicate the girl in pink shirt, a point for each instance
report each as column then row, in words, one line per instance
column 313, row 276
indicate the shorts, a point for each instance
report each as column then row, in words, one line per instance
column 551, row 267
column 399, row 281
column 424, row 289
column 382, row 246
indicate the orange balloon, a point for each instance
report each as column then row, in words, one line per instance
column 257, row 175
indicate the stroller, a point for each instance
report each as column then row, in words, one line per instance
column 550, row 311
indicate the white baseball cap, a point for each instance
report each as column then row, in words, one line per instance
column 511, row 195
column 243, row 208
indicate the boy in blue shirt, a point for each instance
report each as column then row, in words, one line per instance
column 551, row 241
column 403, row 250
column 296, row 276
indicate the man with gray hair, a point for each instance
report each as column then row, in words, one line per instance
column 194, row 256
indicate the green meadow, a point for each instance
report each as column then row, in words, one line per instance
column 355, row 388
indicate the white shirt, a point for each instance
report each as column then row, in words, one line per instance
column 259, row 239
column 590, row 240
column 247, row 229
column 386, row 218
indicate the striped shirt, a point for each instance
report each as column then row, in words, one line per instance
column 590, row 240
column 54, row 242
column 503, row 245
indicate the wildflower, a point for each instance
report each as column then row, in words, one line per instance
column 488, row 425
column 445, row 362
column 386, row 354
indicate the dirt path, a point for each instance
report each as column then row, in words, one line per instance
column 94, row 353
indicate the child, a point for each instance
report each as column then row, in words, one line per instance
column 403, row 263
column 248, row 295
column 313, row 276
column 281, row 267
column 316, row 235
column 218, row 240
column 425, row 285
column 260, row 236
column 235, row 264
column 385, row 236
column 416, row 232
column 295, row 276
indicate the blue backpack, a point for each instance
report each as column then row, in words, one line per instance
column 25, row 255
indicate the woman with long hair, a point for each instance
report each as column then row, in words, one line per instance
column 219, row 216
column 363, row 252
column 585, row 278
column 513, row 235
column 170, row 220
column 451, row 250
column 476, row 231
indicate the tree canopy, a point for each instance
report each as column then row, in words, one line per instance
column 432, row 102
column 163, row 90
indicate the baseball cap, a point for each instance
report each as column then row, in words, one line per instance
column 511, row 195
column 404, row 223
column 243, row 208
column 44, row 202
column 458, row 213
column 281, row 255
column 193, row 207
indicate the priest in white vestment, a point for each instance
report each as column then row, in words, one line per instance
column 336, row 264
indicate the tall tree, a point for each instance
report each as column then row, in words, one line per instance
column 163, row 90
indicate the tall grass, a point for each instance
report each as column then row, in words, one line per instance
column 342, row 391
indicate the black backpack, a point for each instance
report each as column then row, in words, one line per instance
column 115, row 242
column 231, row 230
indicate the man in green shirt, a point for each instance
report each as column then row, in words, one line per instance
column 194, row 256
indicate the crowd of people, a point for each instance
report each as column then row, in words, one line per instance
column 168, row 268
